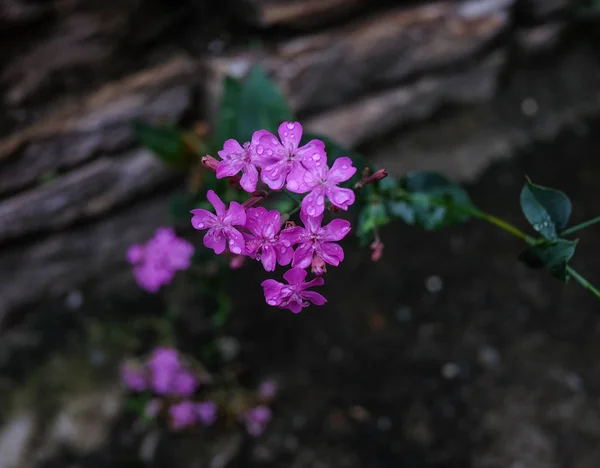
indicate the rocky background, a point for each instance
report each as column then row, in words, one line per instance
column 484, row 90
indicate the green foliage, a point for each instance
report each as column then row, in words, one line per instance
column 165, row 141
column 372, row 216
column 546, row 209
column 431, row 201
column 251, row 104
column 553, row 256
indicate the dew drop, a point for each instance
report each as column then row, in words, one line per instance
column 311, row 211
column 272, row 302
column 235, row 249
column 285, row 134
column 318, row 163
column 260, row 149
column 200, row 225
column 316, row 156
column 283, row 250
column 320, row 201
column 345, row 166
column 293, row 185
column 290, row 125
column 269, row 152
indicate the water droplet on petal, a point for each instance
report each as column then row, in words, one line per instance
column 293, row 185
column 260, row 149
column 316, row 156
column 345, row 166
column 269, row 152
column 272, row 302
column 320, row 201
column 283, row 250
column 290, row 125
column 200, row 226
column 235, row 249
column 311, row 211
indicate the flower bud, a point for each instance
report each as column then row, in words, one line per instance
column 209, row 162
column 377, row 248
column 318, row 266
column 377, row 175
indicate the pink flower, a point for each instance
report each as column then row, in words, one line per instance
column 220, row 227
column 293, row 296
column 133, row 376
column 182, row 414
column 257, row 419
column 277, row 159
column 236, row 158
column 323, row 182
column 263, row 242
column 316, row 241
column 156, row 262
column 184, row 384
column 207, row 412
column 164, row 366
column 267, row 389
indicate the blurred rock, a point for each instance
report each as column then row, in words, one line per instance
column 330, row 68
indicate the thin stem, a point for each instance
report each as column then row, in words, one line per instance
column 583, row 282
column 578, row 227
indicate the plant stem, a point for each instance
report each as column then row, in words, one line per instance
column 583, row 282
column 578, row 227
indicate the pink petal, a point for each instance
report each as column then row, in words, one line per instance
column 331, row 253
column 336, row 230
column 135, row 254
column 313, row 152
column 290, row 134
column 254, row 217
column 271, row 224
column 313, row 204
column 268, row 258
column 236, row 241
column 292, row 236
column 303, row 255
column 318, row 281
column 236, row 215
column 215, row 239
column 249, row 179
column 274, row 175
column 314, row 297
column 340, row 197
column 312, row 223
column 284, row 254
column 203, row 219
column 215, row 201
column 341, row 171
column 296, row 180
column 295, row 275
column 295, row 307
column 231, row 148
column 229, row 168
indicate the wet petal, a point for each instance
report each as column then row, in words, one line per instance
column 295, row 275
column 336, row 230
column 294, row 306
column 274, row 175
column 313, row 152
column 271, row 224
column 268, row 258
column 254, row 217
column 231, row 150
column 215, row 239
column 313, row 204
column 284, row 253
column 203, row 219
column 340, row 197
column 341, row 170
column 215, row 201
column 303, row 255
column 249, row 179
column 293, row 235
column 312, row 223
column 290, row 134
column 229, row 168
column 236, row 241
column 236, row 215
column 331, row 253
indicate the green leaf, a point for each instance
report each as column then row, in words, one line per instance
column 553, row 256
column 431, row 201
column 372, row 216
column 228, row 111
column 546, row 209
column 260, row 106
column 165, row 141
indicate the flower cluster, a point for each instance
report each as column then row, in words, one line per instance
column 156, row 262
column 257, row 233
column 173, row 383
column 175, row 388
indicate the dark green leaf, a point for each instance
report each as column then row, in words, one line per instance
column 546, row 209
column 228, row 111
column 260, row 106
column 372, row 216
column 553, row 256
column 165, row 141
column 431, row 201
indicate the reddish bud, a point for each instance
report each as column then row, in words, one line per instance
column 252, row 201
column 289, row 224
column 377, row 248
column 318, row 266
column 377, row 175
column 237, row 262
column 209, row 162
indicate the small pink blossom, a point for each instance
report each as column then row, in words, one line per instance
column 236, row 158
column 267, row 389
column 316, row 242
column 156, row 262
column 182, row 414
column 263, row 241
column 256, row 420
column 221, row 226
column 133, row 376
column 164, row 367
column 184, row 383
column 207, row 412
column 323, row 182
column 278, row 158
column 293, row 296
